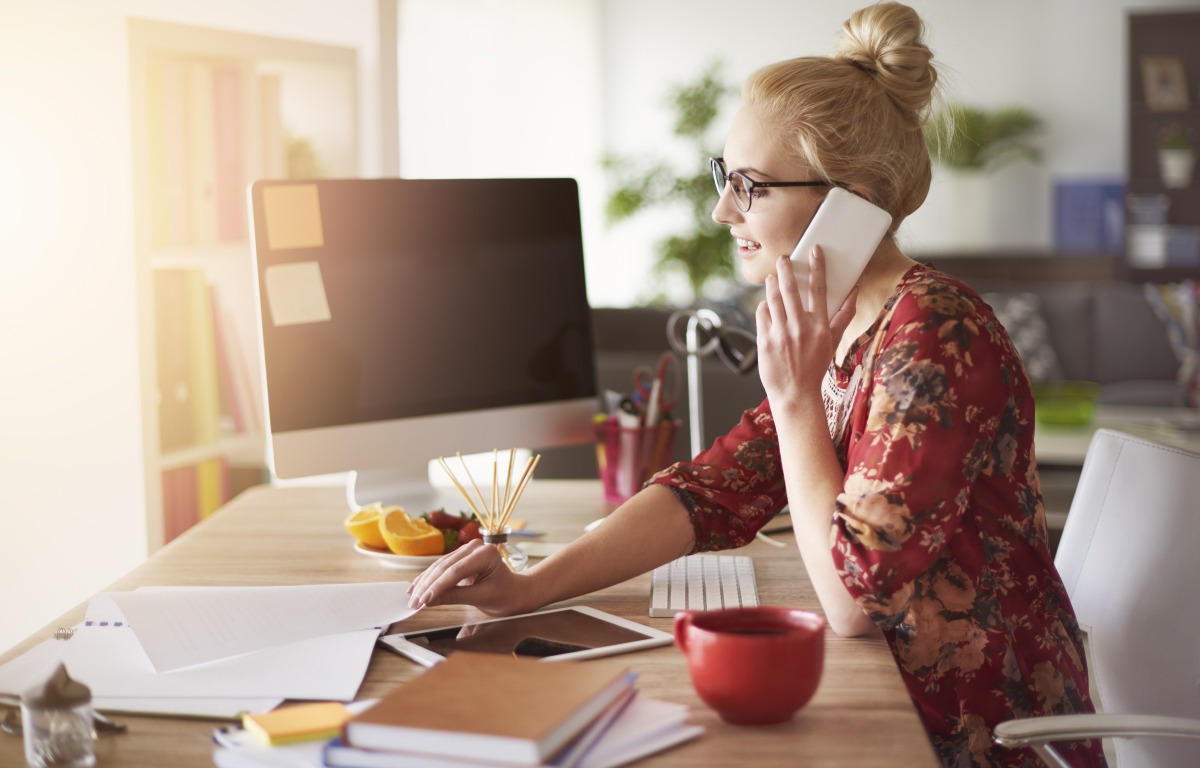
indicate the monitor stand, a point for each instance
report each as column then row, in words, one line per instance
column 408, row 489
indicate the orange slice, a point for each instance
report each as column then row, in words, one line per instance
column 406, row 535
column 364, row 526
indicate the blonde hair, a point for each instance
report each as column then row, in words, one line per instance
column 856, row 117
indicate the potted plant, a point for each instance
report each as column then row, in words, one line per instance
column 971, row 144
column 972, row 139
column 702, row 251
column 1176, row 154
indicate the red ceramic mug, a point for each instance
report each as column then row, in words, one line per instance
column 754, row 666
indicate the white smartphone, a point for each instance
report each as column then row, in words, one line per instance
column 848, row 229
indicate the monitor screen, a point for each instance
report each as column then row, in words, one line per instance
column 402, row 320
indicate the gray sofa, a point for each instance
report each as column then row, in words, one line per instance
column 1101, row 331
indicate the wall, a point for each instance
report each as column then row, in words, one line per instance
column 506, row 88
column 71, row 466
column 1064, row 59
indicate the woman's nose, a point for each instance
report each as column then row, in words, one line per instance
column 725, row 212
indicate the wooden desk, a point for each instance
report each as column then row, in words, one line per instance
column 861, row 714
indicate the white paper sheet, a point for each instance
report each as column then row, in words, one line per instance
column 180, row 627
column 112, row 663
column 38, row 663
column 108, row 655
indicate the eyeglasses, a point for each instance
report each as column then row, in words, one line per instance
column 743, row 186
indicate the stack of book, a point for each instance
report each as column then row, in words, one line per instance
column 483, row 709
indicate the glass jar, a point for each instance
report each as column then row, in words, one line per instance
column 512, row 554
column 57, row 723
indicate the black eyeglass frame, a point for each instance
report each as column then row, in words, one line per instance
column 721, row 177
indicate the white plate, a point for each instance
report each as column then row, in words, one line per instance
column 397, row 562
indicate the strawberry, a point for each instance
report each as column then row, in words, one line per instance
column 469, row 532
column 440, row 518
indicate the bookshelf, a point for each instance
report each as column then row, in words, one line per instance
column 211, row 111
column 1166, row 36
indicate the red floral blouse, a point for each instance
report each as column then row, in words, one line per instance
column 940, row 532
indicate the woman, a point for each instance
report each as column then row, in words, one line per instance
column 900, row 430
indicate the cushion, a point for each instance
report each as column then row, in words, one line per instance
column 1021, row 315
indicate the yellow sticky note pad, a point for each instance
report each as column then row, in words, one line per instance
column 293, row 216
column 298, row 722
column 296, row 293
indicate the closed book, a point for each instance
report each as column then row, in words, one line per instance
column 176, row 422
column 632, row 727
column 492, row 708
column 205, row 386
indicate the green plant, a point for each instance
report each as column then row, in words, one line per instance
column 964, row 137
column 702, row 252
column 1175, row 135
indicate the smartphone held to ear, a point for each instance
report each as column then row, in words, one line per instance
column 848, row 229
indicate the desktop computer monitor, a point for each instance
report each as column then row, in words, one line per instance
column 403, row 320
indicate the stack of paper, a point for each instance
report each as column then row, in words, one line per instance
column 218, row 651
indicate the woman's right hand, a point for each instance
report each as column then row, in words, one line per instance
column 474, row 574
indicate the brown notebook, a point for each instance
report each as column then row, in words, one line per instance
column 500, row 709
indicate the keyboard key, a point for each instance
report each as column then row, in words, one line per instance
column 703, row 583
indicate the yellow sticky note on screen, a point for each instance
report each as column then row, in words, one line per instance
column 293, row 216
column 296, row 293
column 298, row 722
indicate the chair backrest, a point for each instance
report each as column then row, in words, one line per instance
column 1130, row 559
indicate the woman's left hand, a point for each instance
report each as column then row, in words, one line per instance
column 796, row 336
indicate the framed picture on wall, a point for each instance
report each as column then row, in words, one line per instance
column 1165, row 83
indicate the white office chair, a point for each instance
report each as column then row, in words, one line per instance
column 1130, row 559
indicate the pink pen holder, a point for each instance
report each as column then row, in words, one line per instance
column 628, row 456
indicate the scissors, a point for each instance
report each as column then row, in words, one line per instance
column 657, row 388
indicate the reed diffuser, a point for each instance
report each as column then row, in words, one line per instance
column 494, row 517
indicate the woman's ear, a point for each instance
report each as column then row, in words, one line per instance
column 862, row 192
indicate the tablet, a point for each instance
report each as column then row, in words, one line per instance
column 577, row 632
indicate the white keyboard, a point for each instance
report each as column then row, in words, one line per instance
column 703, row 583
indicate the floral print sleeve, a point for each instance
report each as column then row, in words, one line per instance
column 733, row 488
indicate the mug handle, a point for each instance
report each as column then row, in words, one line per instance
column 683, row 620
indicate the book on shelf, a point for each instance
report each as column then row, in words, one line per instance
column 205, row 389
column 491, row 708
column 194, row 491
column 237, row 409
column 204, row 380
column 176, row 422
column 197, row 152
column 229, row 150
column 201, row 153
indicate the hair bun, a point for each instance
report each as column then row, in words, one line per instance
column 885, row 40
